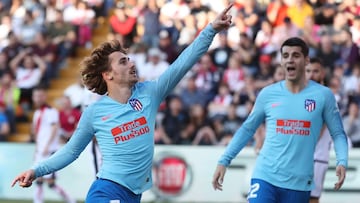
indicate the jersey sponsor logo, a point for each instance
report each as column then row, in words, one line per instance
column 310, row 105
column 136, row 104
column 130, row 130
column 294, row 127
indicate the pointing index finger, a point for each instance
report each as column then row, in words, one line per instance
column 228, row 8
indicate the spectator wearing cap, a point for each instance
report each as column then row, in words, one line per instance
column 155, row 65
column 167, row 46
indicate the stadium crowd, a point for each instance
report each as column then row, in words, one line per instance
column 211, row 102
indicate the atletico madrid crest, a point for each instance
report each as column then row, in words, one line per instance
column 135, row 104
column 310, row 105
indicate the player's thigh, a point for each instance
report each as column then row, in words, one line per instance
column 261, row 192
column 107, row 191
column 293, row 196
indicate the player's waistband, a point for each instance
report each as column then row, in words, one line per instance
column 123, row 187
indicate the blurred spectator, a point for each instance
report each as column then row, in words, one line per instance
column 10, row 96
column 63, row 35
column 284, row 31
column 217, row 107
column 230, row 123
column 336, row 28
column 4, row 124
column 4, row 63
column 28, row 29
column 175, row 120
column 47, row 51
column 247, row 51
column 4, row 8
column 155, row 65
column 298, row 11
column 45, row 126
column 349, row 51
column 151, row 24
column 352, row 81
column 199, row 122
column 207, row 76
column 14, row 46
column 222, row 52
column 5, row 29
column 246, row 95
column 264, row 75
column 68, row 117
column 279, row 73
column 237, row 32
column 28, row 70
column 188, row 32
column 250, row 13
column 264, row 38
column 123, row 23
column 311, row 34
column 205, row 136
column 167, row 46
column 325, row 13
column 341, row 98
column 355, row 30
column 327, row 54
column 276, row 11
column 350, row 9
column 190, row 94
column 83, row 18
column 352, row 124
column 234, row 75
column 196, row 6
column 172, row 14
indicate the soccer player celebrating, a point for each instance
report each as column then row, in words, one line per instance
column 294, row 110
column 123, row 120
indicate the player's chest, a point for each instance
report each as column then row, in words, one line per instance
column 297, row 106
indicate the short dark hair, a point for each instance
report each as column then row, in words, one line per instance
column 296, row 42
column 316, row 60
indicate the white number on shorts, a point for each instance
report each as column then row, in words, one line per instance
column 114, row 201
column 254, row 188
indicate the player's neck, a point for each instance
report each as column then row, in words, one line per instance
column 120, row 94
column 296, row 86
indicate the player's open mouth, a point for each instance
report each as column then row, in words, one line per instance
column 290, row 69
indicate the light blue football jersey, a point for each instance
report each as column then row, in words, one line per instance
column 125, row 132
column 293, row 125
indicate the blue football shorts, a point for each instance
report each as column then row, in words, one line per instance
column 107, row 191
column 264, row 192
